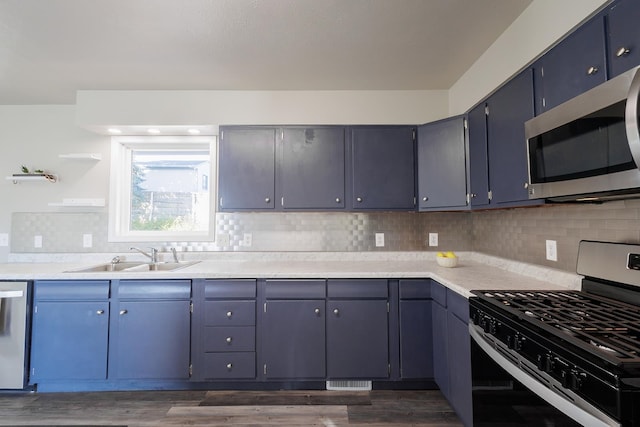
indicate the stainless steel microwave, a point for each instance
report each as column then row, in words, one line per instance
column 588, row 148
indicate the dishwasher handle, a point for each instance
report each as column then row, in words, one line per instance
column 11, row 294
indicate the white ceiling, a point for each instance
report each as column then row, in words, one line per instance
column 49, row 49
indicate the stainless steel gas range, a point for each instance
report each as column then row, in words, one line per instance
column 562, row 358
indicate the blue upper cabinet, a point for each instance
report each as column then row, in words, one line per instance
column 246, row 172
column 478, row 160
column 442, row 181
column 312, row 168
column 383, row 167
column 623, row 36
column 508, row 109
column 575, row 65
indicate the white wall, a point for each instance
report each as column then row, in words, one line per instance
column 97, row 109
column 34, row 136
column 531, row 34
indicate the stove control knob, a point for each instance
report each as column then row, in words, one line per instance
column 565, row 378
column 518, row 342
column 545, row 363
column 577, row 380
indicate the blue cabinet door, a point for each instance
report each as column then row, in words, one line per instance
column 440, row 350
column 294, row 339
column 69, row 340
column 623, row 36
column 509, row 108
column 442, row 178
column 246, row 171
column 312, row 168
column 416, row 344
column 383, row 167
column 459, row 351
column 575, row 65
column 478, row 159
column 152, row 340
column 357, row 339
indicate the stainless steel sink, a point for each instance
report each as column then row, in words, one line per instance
column 134, row 266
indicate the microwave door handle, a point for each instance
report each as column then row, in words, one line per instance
column 631, row 118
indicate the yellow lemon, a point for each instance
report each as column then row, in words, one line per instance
column 441, row 255
column 450, row 255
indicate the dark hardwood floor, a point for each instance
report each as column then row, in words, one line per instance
column 221, row 408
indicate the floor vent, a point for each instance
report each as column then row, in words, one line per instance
column 349, row 385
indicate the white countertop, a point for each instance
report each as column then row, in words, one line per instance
column 474, row 271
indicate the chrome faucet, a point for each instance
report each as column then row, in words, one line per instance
column 153, row 256
column 175, row 255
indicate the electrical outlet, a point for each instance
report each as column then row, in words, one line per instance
column 433, row 239
column 4, row 239
column 87, row 240
column 552, row 250
column 247, row 239
column 37, row 241
column 379, row 240
column 222, row 240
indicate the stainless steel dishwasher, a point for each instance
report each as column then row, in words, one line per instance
column 13, row 334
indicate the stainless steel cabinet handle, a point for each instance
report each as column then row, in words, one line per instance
column 99, row 312
column 526, row 185
column 229, row 314
column 229, row 339
column 229, row 366
column 359, row 199
column 424, row 199
column 123, row 312
column 592, row 70
column 336, row 311
column 316, row 311
column 623, row 51
column 267, row 200
column 337, row 199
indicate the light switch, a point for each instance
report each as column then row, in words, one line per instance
column 87, row 240
column 37, row 241
column 247, row 240
column 552, row 250
column 4, row 239
column 379, row 240
column 433, row 239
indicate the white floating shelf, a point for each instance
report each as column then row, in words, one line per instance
column 84, row 203
column 81, row 156
column 32, row 177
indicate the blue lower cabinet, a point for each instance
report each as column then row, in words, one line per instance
column 440, row 348
column 459, row 350
column 416, row 356
column 152, row 340
column 70, row 331
column 294, row 339
column 69, row 340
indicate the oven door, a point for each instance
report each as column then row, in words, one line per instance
column 505, row 395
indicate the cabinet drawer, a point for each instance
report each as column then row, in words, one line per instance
column 229, row 289
column 458, row 305
column 439, row 293
column 224, row 366
column 358, row 288
column 72, row 290
column 415, row 289
column 295, row 289
column 154, row 289
column 230, row 313
column 229, row 338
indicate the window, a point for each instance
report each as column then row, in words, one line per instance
column 160, row 188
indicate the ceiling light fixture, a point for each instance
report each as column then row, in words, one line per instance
column 194, row 131
column 114, row 131
column 153, row 131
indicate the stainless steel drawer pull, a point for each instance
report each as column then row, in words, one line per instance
column 337, row 199
column 267, row 199
column 122, row 312
column 592, row 70
column 99, row 312
column 229, row 366
column 229, row 339
column 359, row 199
column 336, row 311
column 316, row 311
column 229, row 314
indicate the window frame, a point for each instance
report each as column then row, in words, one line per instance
column 120, row 187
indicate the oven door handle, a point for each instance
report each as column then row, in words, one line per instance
column 562, row 404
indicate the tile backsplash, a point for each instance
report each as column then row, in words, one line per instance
column 517, row 234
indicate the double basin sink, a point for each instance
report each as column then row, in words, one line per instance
column 135, row 266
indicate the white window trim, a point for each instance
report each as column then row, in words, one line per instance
column 120, row 184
